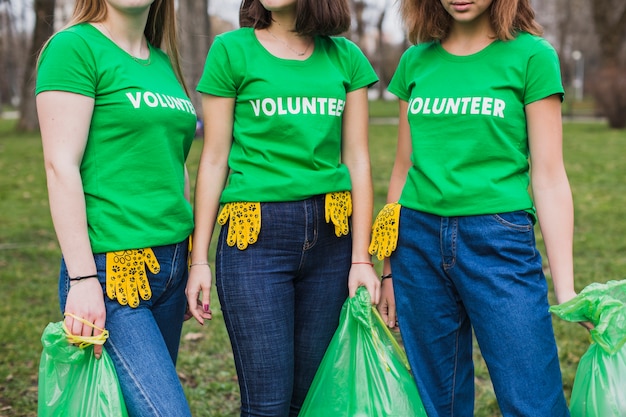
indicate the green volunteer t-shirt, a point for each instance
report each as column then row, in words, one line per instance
column 287, row 117
column 468, row 126
column 141, row 130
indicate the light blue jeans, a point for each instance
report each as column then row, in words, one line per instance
column 143, row 342
column 281, row 298
column 455, row 274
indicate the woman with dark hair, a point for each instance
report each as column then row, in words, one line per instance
column 480, row 103
column 116, row 125
column 286, row 154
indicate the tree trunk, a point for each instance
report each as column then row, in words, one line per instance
column 610, row 26
column 610, row 88
column 380, row 53
column 44, row 27
column 7, row 56
column 195, row 40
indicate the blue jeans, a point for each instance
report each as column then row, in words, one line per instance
column 143, row 342
column 455, row 274
column 281, row 298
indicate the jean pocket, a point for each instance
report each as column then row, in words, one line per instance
column 516, row 220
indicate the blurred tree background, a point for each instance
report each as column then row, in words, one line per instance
column 590, row 37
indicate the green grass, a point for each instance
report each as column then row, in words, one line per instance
column 29, row 261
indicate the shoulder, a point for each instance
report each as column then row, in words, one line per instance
column 234, row 43
column 234, row 37
column 531, row 44
column 75, row 43
column 418, row 52
column 77, row 35
column 339, row 45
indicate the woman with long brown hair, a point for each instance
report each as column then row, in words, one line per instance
column 117, row 125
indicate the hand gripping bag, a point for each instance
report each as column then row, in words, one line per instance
column 364, row 372
column 73, row 383
column 600, row 382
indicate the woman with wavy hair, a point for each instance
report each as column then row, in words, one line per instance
column 117, row 125
column 480, row 103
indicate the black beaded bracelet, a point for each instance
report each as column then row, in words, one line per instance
column 384, row 277
column 82, row 278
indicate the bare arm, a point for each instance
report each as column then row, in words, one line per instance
column 401, row 166
column 64, row 119
column 551, row 191
column 355, row 154
column 212, row 174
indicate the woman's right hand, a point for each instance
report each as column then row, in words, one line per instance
column 199, row 282
column 387, row 305
column 85, row 299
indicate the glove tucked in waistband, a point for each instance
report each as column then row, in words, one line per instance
column 244, row 218
column 244, row 225
column 126, row 278
column 338, row 209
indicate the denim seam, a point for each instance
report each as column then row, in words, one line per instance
column 136, row 383
column 173, row 270
column 233, row 340
column 519, row 227
column 456, row 365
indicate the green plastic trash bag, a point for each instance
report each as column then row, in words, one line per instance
column 73, row 383
column 364, row 372
column 600, row 383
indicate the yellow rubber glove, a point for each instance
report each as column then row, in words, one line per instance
column 244, row 225
column 338, row 209
column 385, row 231
column 126, row 278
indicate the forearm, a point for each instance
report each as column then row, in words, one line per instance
column 402, row 162
column 209, row 185
column 212, row 171
column 556, row 219
column 67, row 208
column 362, row 203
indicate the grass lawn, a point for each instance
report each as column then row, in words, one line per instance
column 29, row 261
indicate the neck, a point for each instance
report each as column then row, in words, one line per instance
column 133, row 43
column 283, row 21
column 469, row 38
column 127, row 31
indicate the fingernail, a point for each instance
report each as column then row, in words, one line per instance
column 206, row 308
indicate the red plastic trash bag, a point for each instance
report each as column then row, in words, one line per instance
column 73, row 383
column 600, row 383
column 364, row 372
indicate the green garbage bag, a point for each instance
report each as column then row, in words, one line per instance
column 364, row 372
column 600, row 382
column 73, row 383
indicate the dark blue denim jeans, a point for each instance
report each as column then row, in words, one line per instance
column 143, row 342
column 281, row 298
column 455, row 274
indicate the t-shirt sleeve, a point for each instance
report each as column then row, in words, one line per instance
column 217, row 77
column 363, row 75
column 398, row 85
column 67, row 64
column 543, row 77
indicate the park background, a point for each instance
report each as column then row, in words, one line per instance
column 590, row 37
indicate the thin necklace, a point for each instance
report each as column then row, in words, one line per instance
column 140, row 61
column 287, row 45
